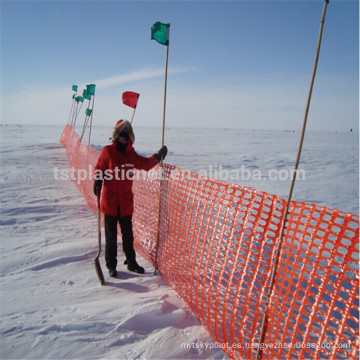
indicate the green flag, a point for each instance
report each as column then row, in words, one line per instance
column 90, row 89
column 160, row 33
column 86, row 95
column 79, row 98
column 88, row 112
column 74, row 88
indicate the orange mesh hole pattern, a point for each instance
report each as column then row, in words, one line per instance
column 214, row 244
column 315, row 302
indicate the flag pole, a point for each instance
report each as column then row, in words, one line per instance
column 91, row 118
column 165, row 90
column 74, row 88
column 283, row 224
column 71, row 110
column 161, row 161
column 132, row 118
column 160, row 32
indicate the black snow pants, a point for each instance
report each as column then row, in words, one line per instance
column 111, row 240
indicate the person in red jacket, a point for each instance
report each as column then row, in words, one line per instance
column 113, row 181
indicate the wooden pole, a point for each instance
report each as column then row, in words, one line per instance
column 132, row 118
column 72, row 109
column 161, row 162
column 165, row 90
column 283, row 224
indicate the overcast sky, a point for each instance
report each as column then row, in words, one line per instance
column 233, row 64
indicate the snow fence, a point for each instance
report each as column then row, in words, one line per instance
column 216, row 249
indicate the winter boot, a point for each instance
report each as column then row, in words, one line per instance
column 134, row 267
column 113, row 273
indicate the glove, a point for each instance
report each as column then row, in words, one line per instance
column 97, row 186
column 161, row 154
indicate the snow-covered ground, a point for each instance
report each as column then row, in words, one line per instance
column 52, row 305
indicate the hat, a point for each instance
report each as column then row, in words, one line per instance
column 119, row 127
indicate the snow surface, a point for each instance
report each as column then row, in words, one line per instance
column 52, row 305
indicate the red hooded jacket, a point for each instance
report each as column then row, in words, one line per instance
column 117, row 187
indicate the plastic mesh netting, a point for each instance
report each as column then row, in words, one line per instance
column 214, row 244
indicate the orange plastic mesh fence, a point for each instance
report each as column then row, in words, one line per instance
column 215, row 246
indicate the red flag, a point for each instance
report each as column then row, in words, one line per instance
column 130, row 98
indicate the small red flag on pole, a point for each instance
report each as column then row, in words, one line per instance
column 130, row 98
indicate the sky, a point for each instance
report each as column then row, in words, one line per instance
column 232, row 64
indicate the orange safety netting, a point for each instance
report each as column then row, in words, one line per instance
column 215, row 243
